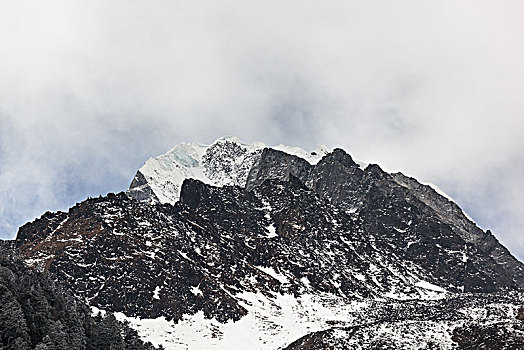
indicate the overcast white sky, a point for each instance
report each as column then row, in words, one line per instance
column 90, row 89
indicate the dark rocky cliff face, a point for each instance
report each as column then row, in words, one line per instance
column 295, row 228
column 383, row 204
column 141, row 189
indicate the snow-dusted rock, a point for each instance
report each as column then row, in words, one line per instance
column 228, row 244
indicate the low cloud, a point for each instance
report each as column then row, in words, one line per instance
column 89, row 91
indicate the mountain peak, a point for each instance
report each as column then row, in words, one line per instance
column 227, row 161
column 271, row 236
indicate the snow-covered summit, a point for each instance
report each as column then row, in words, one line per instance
column 227, row 161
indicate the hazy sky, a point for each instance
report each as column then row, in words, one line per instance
column 90, row 89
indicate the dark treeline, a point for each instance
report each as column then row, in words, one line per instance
column 37, row 314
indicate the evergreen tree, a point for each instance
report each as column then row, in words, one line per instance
column 36, row 314
column 13, row 326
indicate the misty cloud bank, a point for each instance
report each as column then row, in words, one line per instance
column 89, row 91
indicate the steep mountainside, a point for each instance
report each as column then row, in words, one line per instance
column 336, row 178
column 275, row 243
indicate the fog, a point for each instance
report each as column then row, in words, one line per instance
column 90, row 90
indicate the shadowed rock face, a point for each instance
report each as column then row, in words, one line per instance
column 520, row 313
column 274, row 164
column 141, row 189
